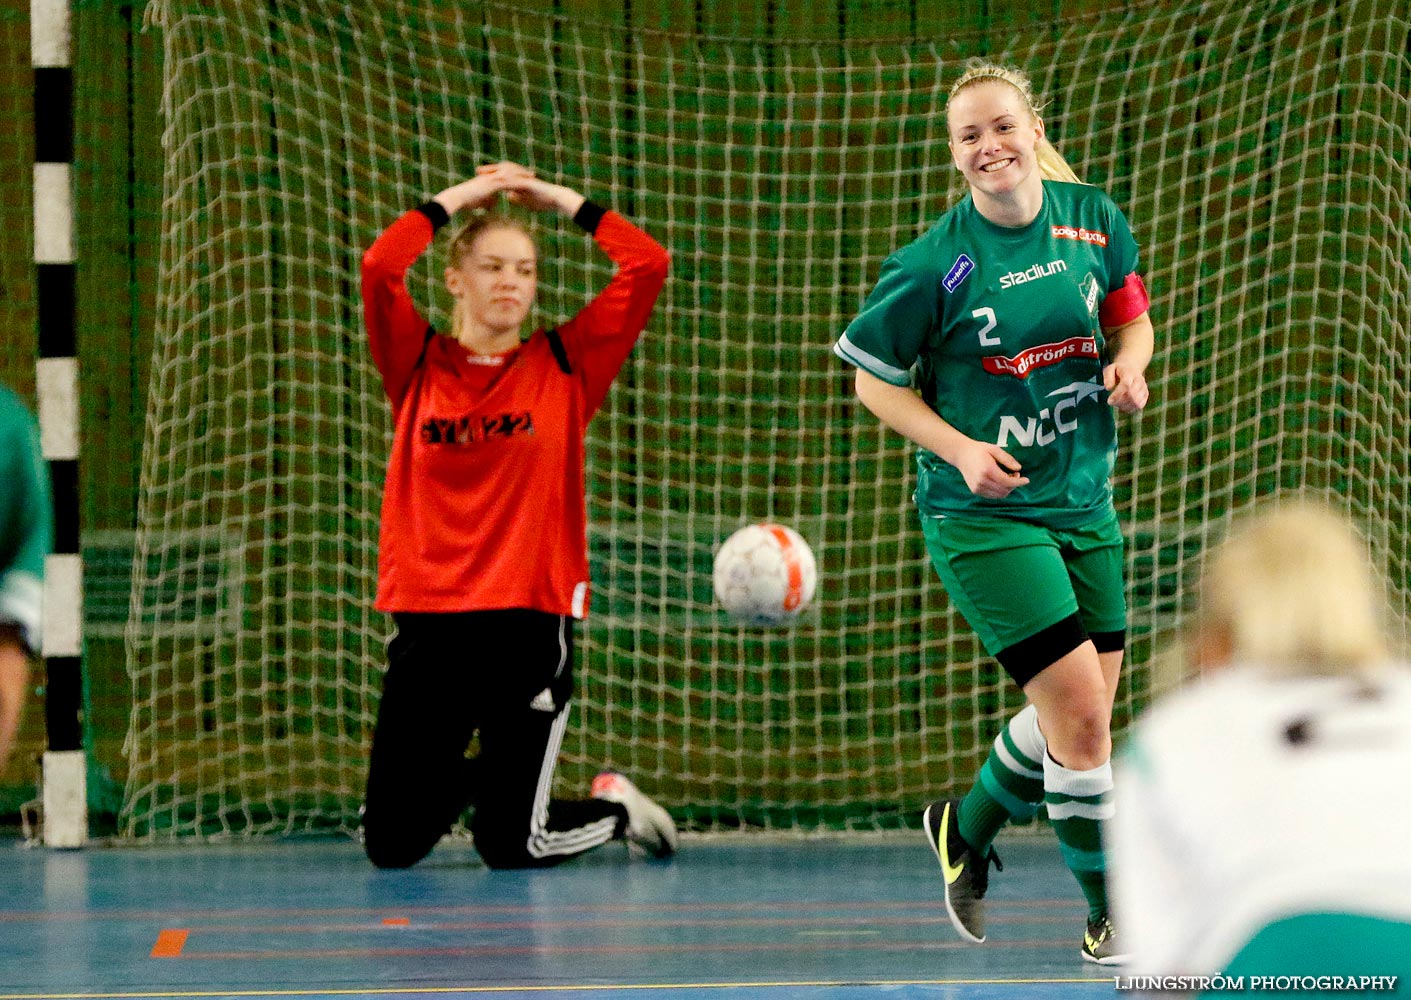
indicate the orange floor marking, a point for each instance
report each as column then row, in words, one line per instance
column 169, row 944
column 396, row 921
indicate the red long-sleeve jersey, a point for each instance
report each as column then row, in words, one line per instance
column 484, row 505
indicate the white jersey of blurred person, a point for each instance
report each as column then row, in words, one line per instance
column 1264, row 825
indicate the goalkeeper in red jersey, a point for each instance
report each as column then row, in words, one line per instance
column 483, row 559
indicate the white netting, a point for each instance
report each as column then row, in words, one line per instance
column 1260, row 154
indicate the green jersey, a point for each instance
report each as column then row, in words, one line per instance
column 999, row 328
column 26, row 519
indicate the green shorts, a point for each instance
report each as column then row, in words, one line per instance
column 1013, row 579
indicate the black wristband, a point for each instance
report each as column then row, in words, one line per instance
column 588, row 216
column 435, row 213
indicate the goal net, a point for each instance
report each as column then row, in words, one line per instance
column 1260, row 152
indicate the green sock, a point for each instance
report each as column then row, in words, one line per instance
column 1010, row 785
column 1094, row 886
column 1077, row 804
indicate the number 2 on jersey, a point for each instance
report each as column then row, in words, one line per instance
column 988, row 315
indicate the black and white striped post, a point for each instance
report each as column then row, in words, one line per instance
column 65, row 775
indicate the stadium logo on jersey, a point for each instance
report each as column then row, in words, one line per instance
column 1032, row 274
column 475, row 430
column 1079, row 233
column 1044, row 429
column 958, row 272
column 1042, row 356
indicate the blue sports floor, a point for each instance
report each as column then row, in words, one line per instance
column 725, row 919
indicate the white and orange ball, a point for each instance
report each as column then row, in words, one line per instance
column 765, row 575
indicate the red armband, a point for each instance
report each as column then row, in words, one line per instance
column 1125, row 304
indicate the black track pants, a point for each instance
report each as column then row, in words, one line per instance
column 507, row 676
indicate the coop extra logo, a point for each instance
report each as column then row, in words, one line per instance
column 1080, row 234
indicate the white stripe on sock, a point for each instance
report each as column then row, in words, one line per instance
column 1011, row 762
column 1079, row 784
column 1080, row 810
column 1027, row 736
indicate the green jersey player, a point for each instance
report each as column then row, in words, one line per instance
column 1002, row 328
column 26, row 536
column 1022, row 320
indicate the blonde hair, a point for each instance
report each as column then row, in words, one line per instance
column 464, row 240
column 1292, row 591
column 1052, row 165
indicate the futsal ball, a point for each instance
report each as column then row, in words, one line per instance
column 764, row 575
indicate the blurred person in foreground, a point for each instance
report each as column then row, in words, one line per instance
column 1263, row 825
column 26, row 537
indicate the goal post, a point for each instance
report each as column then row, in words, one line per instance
column 1261, row 157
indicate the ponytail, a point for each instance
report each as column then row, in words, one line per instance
column 1052, row 165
